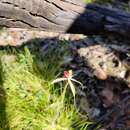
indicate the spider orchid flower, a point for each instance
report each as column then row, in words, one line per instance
column 68, row 76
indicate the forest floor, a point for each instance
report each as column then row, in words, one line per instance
column 94, row 93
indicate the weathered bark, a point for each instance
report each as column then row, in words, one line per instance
column 72, row 16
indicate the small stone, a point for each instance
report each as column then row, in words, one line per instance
column 100, row 74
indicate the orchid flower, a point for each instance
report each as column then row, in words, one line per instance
column 68, row 76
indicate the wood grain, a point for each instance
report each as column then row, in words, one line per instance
column 71, row 16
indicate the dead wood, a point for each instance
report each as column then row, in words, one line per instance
column 71, row 16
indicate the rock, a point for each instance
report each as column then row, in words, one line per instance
column 100, row 74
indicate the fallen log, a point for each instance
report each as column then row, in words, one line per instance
column 65, row 16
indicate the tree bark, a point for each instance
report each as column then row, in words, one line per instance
column 71, row 16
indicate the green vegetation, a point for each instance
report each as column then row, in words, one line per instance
column 28, row 99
